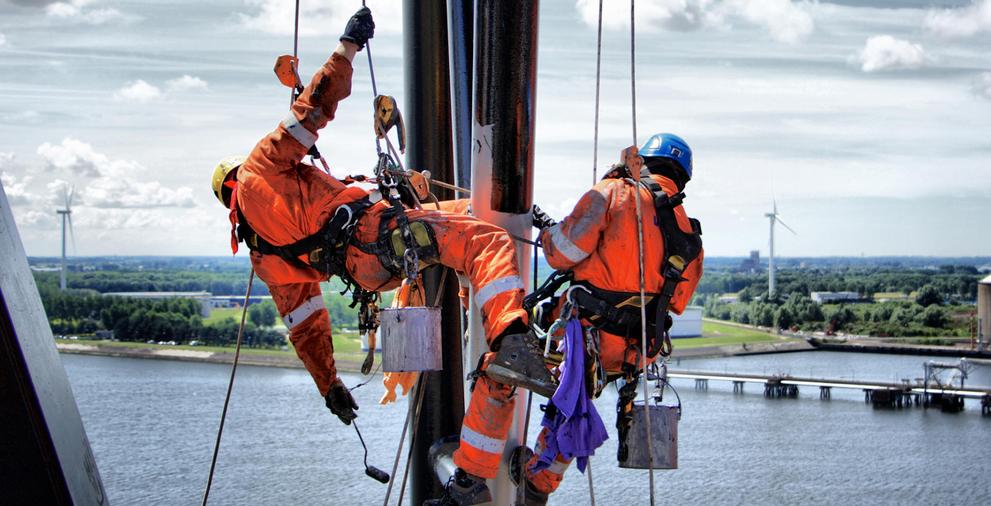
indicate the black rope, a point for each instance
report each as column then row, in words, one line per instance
column 230, row 387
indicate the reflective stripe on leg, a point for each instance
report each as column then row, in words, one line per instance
column 486, row 425
column 303, row 311
column 495, row 287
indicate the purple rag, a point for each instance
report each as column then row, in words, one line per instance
column 576, row 429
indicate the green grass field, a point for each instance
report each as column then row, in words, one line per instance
column 221, row 313
column 721, row 334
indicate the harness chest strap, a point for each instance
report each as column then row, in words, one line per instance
column 319, row 248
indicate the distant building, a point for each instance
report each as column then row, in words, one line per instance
column 830, row 297
column 729, row 298
column 229, row 301
column 687, row 324
column 202, row 297
column 751, row 264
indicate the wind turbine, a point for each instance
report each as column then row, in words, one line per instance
column 773, row 217
column 66, row 215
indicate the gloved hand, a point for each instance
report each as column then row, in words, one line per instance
column 340, row 402
column 540, row 218
column 360, row 28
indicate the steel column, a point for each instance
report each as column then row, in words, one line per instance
column 428, row 121
column 460, row 22
column 504, row 106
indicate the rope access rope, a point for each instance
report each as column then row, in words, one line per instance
column 643, row 344
column 402, row 437
column 643, row 308
column 230, row 387
column 633, row 69
column 598, row 81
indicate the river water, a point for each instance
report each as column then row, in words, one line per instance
column 152, row 426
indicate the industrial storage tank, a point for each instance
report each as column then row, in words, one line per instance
column 687, row 324
column 983, row 313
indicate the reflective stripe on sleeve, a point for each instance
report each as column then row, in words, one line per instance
column 496, row 287
column 557, row 467
column 567, row 248
column 303, row 311
column 481, row 441
column 298, row 131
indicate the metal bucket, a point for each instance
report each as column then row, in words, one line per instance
column 663, row 433
column 411, row 339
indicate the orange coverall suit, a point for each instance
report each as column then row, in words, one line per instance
column 598, row 242
column 285, row 201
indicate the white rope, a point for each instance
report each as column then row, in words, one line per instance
column 633, row 70
column 643, row 341
column 598, row 81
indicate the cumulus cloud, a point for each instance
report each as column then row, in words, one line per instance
column 115, row 183
column 79, row 11
column 982, row 85
column 133, row 194
column 138, row 91
column 784, row 20
column 884, row 52
column 671, row 14
column 3, row 40
column 186, row 83
column 317, row 17
column 16, row 188
column 961, row 21
column 73, row 156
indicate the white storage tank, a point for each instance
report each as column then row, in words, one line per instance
column 984, row 313
column 687, row 324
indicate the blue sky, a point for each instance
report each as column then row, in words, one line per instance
column 868, row 121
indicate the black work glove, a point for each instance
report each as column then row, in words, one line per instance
column 540, row 218
column 340, row 402
column 360, row 28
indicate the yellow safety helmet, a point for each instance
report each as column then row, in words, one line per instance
column 224, row 168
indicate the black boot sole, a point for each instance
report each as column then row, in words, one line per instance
column 510, row 377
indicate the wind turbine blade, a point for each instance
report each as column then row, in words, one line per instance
column 786, row 226
column 68, row 198
column 72, row 234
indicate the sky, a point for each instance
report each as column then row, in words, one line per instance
column 869, row 123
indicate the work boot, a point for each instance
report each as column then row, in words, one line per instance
column 520, row 363
column 517, row 463
column 462, row 489
column 533, row 497
column 517, row 467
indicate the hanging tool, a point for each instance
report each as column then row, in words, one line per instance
column 387, row 115
column 368, row 323
column 372, row 471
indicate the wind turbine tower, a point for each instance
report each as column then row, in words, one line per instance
column 66, row 215
column 773, row 217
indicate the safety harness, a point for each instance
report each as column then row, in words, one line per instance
column 618, row 312
column 324, row 250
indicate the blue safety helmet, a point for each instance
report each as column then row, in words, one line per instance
column 668, row 146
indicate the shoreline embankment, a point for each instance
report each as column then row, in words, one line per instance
column 345, row 364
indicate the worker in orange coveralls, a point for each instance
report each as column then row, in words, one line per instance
column 304, row 226
column 598, row 243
